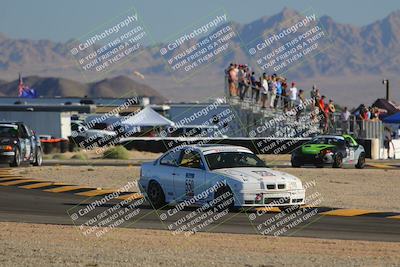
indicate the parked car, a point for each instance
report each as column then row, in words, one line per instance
column 18, row 143
column 330, row 150
column 184, row 174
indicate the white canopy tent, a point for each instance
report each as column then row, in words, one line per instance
column 147, row 117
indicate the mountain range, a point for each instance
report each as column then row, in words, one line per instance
column 350, row 70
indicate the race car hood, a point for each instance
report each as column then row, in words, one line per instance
column 314, row 148
column 256, row 175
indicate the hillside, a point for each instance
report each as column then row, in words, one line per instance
column 120, row 86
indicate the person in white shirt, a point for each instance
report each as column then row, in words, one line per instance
column 345, row 118
column 264, row 89
column 292, row 95
column 272, row 93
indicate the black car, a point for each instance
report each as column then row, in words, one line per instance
column 18, row 143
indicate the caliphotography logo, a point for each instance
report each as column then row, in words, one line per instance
column 199, row 133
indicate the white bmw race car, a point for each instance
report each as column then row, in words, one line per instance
column 203, row 174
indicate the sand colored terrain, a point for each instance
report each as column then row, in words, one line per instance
column 52, row 245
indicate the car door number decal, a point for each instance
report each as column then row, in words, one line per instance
column 189, row 185
column 351, row 154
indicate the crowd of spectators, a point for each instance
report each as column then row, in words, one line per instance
column 276, row 92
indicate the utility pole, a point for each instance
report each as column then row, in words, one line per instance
column 386, row 82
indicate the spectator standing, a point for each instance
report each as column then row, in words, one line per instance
column 345, row 119
column 315, row 97
column 292, row 95
column 264, row 90
column 285, row 96
column 246, row 82
column 332, row 110
column 278, row 93
column 273, row 93
column 255, row 90
column 327, row 122
column 300, row 104
column 321, row 108
column 241, row 78
column 388, row 140
column 233, row 79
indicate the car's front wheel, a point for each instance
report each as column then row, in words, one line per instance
column 38, row 158
column 156, row 195
column 338, row 161
column 17, row 159
column 295, row 163
column 224, row 199
column 361, row 161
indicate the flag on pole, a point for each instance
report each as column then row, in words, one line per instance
column 24, row 91
column 21, row 86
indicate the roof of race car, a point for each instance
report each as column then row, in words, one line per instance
column 330, row 136
column 211, row 148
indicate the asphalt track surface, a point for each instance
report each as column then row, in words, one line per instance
column 35, row 206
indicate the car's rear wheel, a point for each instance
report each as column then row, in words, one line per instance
column 17, row 159
column 38, row 158
column 361, row 161
column 225, row 199
column 156, row 195
column 338, row 161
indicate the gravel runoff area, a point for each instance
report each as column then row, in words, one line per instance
column 375, row 189
column 52, row 245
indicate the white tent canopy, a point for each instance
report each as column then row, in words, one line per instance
column 147, row 117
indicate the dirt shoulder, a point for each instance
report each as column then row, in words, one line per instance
column 52, row 245
column 375, row 189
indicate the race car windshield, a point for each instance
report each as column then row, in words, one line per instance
column 9, row 132
column 224, row 160
column 327, row 141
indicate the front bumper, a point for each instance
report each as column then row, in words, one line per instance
column 6, row 156
column 276, row 198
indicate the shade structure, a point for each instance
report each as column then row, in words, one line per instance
column 395, row 118
column 147, row 117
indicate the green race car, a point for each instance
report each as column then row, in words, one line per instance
column 330, row 150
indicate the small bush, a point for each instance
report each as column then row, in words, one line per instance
column 117, row 152
column 80, row 156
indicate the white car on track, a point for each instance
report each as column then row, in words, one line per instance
column 198, row 174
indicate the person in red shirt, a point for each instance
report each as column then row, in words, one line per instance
column 322, row 112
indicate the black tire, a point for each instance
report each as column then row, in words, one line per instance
column 17, row 159
column 338, row 161
column 295, row 163
column 361, row 161
column 220, row 192
column 38, row 158
column 156, row 195
column 289, row 209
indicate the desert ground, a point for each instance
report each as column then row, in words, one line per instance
column 54, row 245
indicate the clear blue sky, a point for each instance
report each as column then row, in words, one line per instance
column 62, row 20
